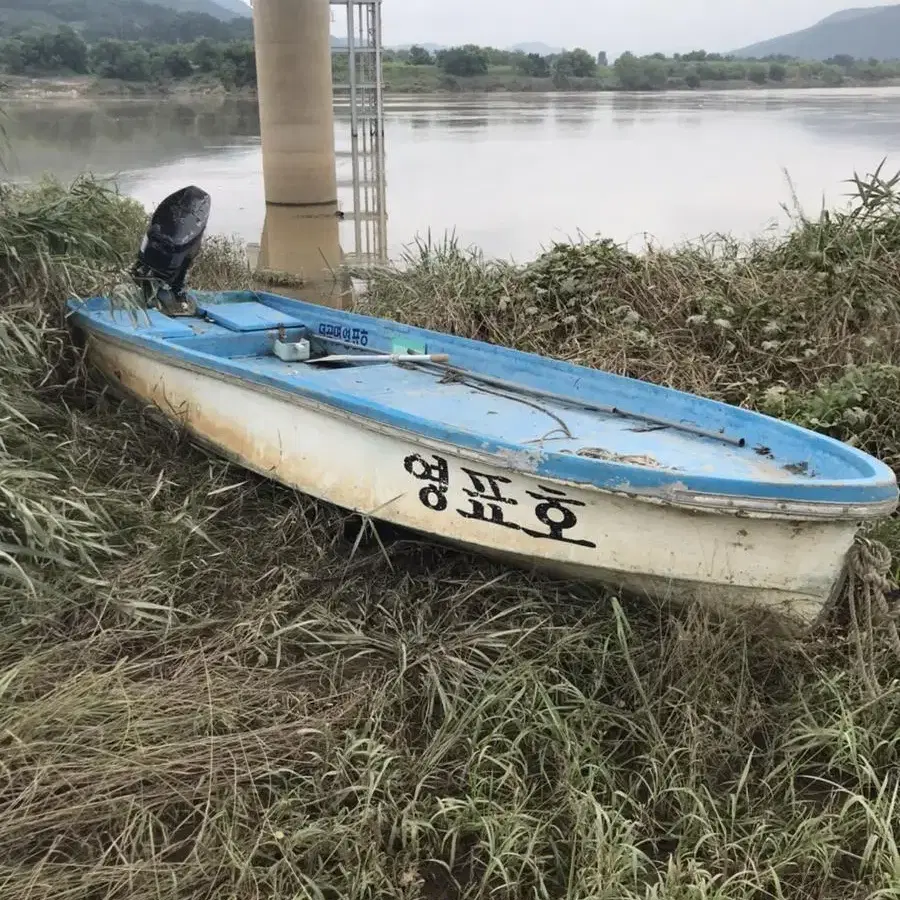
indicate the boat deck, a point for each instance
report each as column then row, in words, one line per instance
column 705, row 447
column 534, row 423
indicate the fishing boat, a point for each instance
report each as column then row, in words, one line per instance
column 537, row 461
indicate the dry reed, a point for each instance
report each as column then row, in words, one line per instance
column 205, row 692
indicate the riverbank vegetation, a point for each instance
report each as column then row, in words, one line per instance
column 207, row 688
column 203, row 65
column 463, row 68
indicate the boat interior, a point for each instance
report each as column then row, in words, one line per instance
column 526, row 401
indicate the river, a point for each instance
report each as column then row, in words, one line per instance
column 508, row 173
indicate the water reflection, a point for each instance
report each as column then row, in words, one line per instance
column 465, row 123
column 420, row 123
column 110, row 137
column 572, row 121
column 541, row 167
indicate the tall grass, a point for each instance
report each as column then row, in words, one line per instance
column 206, row 691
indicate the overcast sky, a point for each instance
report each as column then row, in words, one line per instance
column 644, row 26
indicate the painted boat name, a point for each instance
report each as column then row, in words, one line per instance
column 489, row 501
column 345, row 333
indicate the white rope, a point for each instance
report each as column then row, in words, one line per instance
column 871, row 613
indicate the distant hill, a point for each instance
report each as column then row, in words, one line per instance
column 220, row 9
column 236, row 8
column 431, row 48
column 848, row 14
column 872, row 33
column 539, row 48
column 163, row 20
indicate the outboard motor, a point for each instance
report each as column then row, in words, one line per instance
column 172, row 242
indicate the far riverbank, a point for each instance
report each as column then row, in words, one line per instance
column 410, row 82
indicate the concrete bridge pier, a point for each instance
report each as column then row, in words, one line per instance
column 301, row 235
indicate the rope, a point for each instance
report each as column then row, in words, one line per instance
column 871, row 614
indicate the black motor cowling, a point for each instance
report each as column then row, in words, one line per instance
column 169, row 248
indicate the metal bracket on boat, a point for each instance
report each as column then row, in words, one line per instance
column 173, row 304
column 290, row 351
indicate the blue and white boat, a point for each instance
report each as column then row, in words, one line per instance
column 538, row 461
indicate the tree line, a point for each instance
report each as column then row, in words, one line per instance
column 65, row 52
column 232, row 62
column 650, row 72
column 471, row 60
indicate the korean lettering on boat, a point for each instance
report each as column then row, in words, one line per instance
column 359, row 336
column 490, row 501
column 434, row 494
column 486, row 499
column 553, row 511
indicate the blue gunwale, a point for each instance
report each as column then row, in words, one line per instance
column 868, row 481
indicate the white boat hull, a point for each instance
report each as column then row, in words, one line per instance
column 636, row 544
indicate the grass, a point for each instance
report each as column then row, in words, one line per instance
column 205, row 692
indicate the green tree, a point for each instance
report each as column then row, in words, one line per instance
column 758, row 74
column 497, row 57
column 239, row 59
column 628, row 70
column 50, row 51
column 12, row 56
column 463, row 62
column 777, row 71
column 121, row 59
column 176, row 63
column 576, row 63
column 713, row 71
column 419, row 56
column 645, row 74
column 534, row 65
column 207, row 55
column 67, row 50
column 872, row 71
column 832, row 76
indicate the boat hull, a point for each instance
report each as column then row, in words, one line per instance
column 631, row 543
